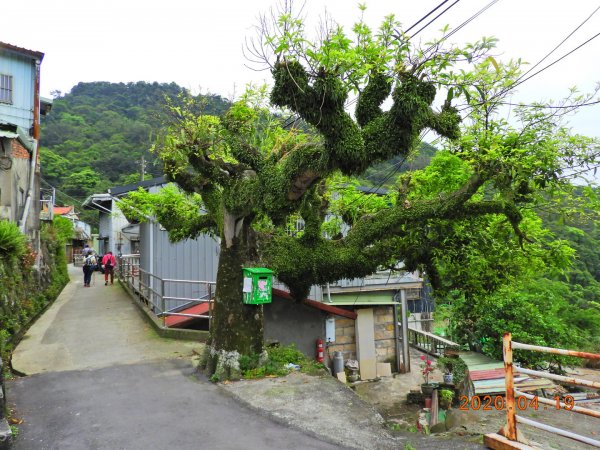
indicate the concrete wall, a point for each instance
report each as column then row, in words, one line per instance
column 290, row 322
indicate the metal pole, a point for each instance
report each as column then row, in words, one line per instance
column 162, row 302
column 405, row 353
column 210, row 305
column 397, row 337
column 511, row 414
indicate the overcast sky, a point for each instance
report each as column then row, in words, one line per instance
column 198, row 44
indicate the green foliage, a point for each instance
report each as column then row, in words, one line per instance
column 13, row 243
column 275, row 365
column 98, row 132
column 22, row 293
column 446, row 395
column 63, row 228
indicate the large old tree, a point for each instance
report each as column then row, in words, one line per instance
column 353, row 102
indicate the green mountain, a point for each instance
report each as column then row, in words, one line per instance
column 96, row 135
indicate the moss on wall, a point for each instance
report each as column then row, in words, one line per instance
column 25, row 289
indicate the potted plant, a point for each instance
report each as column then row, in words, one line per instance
column 446, row 364
column 446, row 397
column 426, row 368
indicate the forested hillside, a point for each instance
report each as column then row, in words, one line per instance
column 96, row 135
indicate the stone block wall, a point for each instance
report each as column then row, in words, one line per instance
column 345, row 339
column 385, row 344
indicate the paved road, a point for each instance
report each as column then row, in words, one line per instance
column 101, row 379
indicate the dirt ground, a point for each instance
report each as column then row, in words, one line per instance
column 388, row 396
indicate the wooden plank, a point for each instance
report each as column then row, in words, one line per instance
column 498, row 442
column 435, row 409
column 365, row 344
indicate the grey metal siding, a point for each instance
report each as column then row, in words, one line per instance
column 192, row 259
column 20, row 112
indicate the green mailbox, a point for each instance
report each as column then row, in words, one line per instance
column 258, row 283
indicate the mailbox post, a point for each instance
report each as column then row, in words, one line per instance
column 258, row 284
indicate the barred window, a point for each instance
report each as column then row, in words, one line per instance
column 6, row 89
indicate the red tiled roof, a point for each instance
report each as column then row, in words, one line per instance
column 178, row 321
column 62, row 210
column 318, row 305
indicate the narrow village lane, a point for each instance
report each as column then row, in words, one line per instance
column 100, row 378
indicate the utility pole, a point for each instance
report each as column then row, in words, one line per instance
column 142, row 168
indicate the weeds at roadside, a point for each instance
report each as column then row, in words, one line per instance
column 280, row 361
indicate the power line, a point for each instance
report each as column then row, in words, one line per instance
column 520, row 80
column 466, row 22
column 434, row 19
column 559, row 59
column 561, row 43
column 62, row 193
column 426, row 16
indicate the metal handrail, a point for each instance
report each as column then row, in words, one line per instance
column 429, row 342
column 510, row 432
column 151, row 288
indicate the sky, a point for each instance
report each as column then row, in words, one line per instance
column 199, row 44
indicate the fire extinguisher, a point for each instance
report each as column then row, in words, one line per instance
column 320, row 351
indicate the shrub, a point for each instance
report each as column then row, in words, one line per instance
column 12, row 241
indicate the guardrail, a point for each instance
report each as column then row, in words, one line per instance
column 429, row 342
column 153, row 291
column 509, row 434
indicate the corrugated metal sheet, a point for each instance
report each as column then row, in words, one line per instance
column 192, row 259
column 22, row 70
column 486, row 376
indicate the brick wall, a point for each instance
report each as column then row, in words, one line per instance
column 385, row 344
column 18, row 151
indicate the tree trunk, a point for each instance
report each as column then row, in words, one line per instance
column 235, row 326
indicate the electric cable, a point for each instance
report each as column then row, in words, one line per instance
column 426, row 16
column 462, row 25
column 521, row 80
column 559, row 59
column 434, row 19
column 560, row 44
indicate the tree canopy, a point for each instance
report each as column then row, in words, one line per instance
column 467, row 219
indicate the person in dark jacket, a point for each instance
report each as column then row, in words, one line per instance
column 89, row 264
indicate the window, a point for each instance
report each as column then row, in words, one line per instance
column 6, row 89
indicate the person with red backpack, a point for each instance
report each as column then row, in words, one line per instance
column 109, row 262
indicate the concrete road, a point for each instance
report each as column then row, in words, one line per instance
column 159, row 405
column 100, row 378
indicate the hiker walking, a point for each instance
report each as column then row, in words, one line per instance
column 109, row 262
column 89, row 264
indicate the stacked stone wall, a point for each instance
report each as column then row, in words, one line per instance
column 345, row 339
column 385, row 344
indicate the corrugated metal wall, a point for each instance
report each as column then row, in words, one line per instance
column 192, row 259
column 21, row 69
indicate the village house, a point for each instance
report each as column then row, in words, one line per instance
column 20, row 109
column 354, row 317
